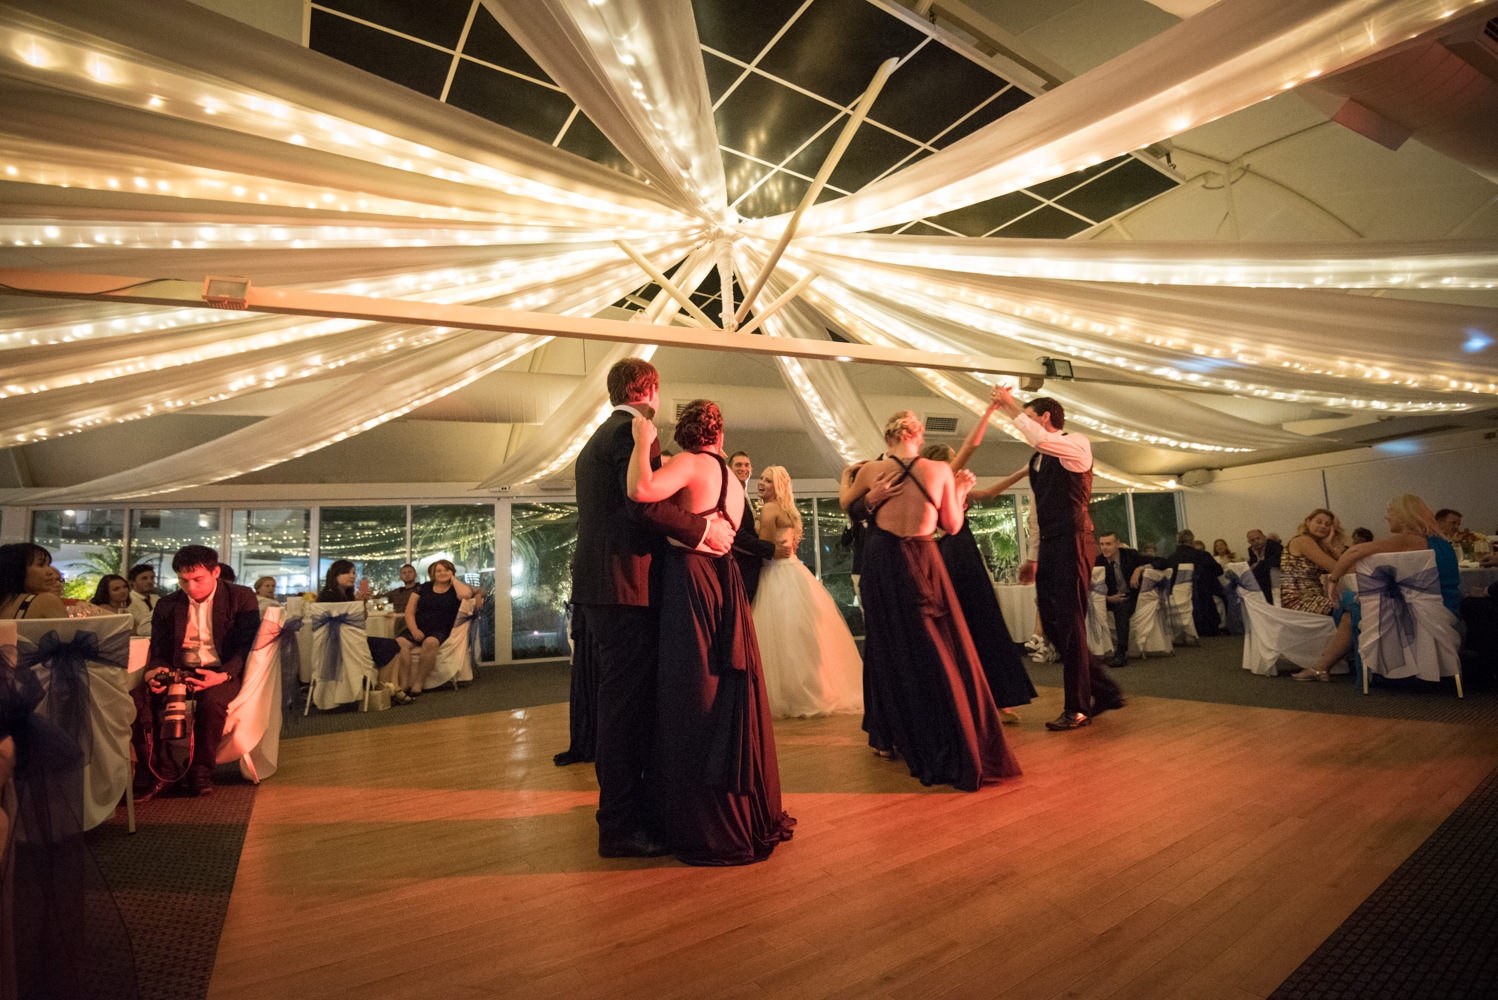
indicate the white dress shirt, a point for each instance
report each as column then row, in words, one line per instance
column 197, row 644
column 1074, row 450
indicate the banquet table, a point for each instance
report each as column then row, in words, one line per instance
column 380, row 624
column 1475, row 580
column 1018, row 604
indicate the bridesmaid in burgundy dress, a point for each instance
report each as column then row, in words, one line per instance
column 925, row 696
column 714, row 782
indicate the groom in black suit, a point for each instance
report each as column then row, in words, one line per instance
column 613, row 580
column 749, row 550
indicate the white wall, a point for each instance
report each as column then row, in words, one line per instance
column 1458, row 471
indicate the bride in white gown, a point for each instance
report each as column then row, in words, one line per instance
column 811, row 663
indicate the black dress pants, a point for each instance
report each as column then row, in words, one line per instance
column 1063, row 574
column 625, row 642
column 209, row 713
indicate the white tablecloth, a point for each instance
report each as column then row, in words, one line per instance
column 1477, row 579
column 1018, row 604
column 380, row 624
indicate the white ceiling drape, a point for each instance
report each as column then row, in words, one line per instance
column 161, row 139
column 1228, row 57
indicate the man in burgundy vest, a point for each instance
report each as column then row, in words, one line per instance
column 1060, row 474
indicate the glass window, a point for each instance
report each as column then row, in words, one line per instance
column 463, row 534
column 157, row 533
column 806, row 548
column 837, row 560
column 1155, row 520
column 542, row 539
column 373, row 538
column 273, row 543
column 1110, row 512
column 995, row 526
column 86, row 545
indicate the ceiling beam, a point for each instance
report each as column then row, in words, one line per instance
column 294, row 302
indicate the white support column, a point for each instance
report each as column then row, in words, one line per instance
column 503, row 581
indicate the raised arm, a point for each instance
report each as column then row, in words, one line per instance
column 989, row 492
column 973, row 439
column 1402, row 542
column 1306, row 547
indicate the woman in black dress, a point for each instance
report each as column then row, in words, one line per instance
column 925, row 696
column 430, row 615
column 1002, row 666
column 714, row 781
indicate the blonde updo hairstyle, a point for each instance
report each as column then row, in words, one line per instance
column 903, row 426
column 1413, row 514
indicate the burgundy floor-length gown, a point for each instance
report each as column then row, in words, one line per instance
column 715, row 783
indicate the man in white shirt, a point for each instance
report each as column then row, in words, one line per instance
column 206, row 630
column 1060, row 474
column 142, row 579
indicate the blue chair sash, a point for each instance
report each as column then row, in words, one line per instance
column 291, row 660
column 1232, row 600
column 475, row 635
column 1161, row 589
column 68, row 701
column 1396, row 619
column 331, row 668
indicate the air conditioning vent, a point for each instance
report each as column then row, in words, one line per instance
column 941, row 425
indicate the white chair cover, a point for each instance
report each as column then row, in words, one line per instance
column 110, row 710
column 454, row 659
column 1272, row 633
column 296, row 607
column 1406, row 631
column 1149, row 626
column 1183, row 607
column 1099, row 622
column 252, row 729
column 342, row 667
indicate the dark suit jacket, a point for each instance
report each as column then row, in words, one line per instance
column 618, row 539
column 1272, row 552
column 236, row 621
column 1260, row 567
column 1128, row 561
column 750, row 551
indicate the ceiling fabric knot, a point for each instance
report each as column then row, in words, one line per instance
column 634, row 67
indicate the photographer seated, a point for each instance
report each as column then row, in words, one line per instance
column 202, row 633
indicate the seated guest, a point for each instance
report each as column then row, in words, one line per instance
column 265, row 593
column 1222, row 553
column 1205, row 585
column 111, row 597
column 338, row 585
column 226, row 573
column 142, row 579
column 26, row 585
column 430, row 615
column 1264, row 554
column 1449, row 524
column 400, row 595
column 1411, row 527
column 205, row 629
column 1361, row 535
column 1313, row 551
column 1122, row 564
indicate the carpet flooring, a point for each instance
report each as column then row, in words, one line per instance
column 1428, row 931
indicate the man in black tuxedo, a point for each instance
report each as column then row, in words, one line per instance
column 615, row 585
column 749, row 550
column 1120, row 561
column 1263, row 556
column 1205, row 585
column 206, row 628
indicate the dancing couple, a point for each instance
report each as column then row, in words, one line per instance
column 685, row 751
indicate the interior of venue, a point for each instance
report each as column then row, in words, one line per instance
column 335, row 288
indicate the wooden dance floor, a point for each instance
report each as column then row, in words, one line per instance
column 1175, row 849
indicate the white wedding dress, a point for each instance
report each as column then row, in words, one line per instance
column 811, row 663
